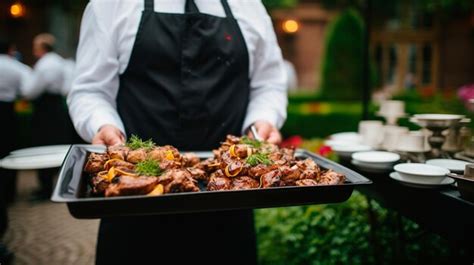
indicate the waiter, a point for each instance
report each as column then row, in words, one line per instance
column 185, row 73
column 13, row 76
column 46, row 89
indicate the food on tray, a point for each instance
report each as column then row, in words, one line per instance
column 142, row 168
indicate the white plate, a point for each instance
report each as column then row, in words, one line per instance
column 376, row 157
column 445, row 182
column 453, row 165
column 32, row 162
column 352, row 137
column 372, row 168
column 41, row 150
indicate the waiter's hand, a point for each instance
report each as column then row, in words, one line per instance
column 108, row 135
column 267, row 132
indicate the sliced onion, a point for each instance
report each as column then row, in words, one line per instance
column 232, row 151
column 228, row 174
column 158, row 190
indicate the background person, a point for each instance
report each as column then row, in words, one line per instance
column 50, row 120
column 13, row 75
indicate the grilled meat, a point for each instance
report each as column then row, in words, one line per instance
column 306, row 182
column 190, row 159
column 332, row 178
column 238, row 164
column 178, row 180
column 271, row 179
column 244, row 183
column 129, row 185
column 136, row 156
column 95, row 163
column 118, row 152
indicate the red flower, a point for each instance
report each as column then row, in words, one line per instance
column 325, row 150
column 292, row 141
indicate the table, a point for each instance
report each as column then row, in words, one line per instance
column 441, row 211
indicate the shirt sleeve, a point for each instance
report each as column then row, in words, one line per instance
column 268, row 91
column 92, row 99
column 25, row 74
column 35, row 83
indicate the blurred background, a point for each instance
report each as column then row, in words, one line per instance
column 343, row 58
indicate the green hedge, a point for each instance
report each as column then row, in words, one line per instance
column 335, row 234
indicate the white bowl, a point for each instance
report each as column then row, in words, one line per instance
column 345, row 151
column 421, row 173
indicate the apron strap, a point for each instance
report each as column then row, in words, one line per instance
column 191, row 7
column 149, row 5
column 227, row 10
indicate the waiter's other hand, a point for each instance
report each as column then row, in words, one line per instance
column 108, row 135
column 267, row 132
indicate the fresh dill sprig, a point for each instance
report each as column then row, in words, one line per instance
column 136, row 142
column 252, row 142
column 148, row 167
column 258, row 158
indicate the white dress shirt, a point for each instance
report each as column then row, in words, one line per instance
column 49, row 76
column 107, row 36
column 13, row 76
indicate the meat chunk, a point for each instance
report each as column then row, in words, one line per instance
column 95, row 163
column 332, row 178
column 197, row 174
column 218, row 181
column 119, row 164
column 166, row 152
column 129, row 185
column 271, row 179
column 306, row 182
column 99, row 183
column 190, row 160
column 178, row 180
column 136, row 156
column 244, row 183
column 118, row 152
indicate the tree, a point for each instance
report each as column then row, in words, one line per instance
column 342, row 71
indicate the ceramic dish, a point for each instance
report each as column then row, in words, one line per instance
column 421, row 173
column 414, row 184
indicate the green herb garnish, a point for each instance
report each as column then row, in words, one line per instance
column 148, row 167
column 258, row 158
column 136, row 142
column 252, row 142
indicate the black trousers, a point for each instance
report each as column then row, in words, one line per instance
column 7, row 144
column 226, row 237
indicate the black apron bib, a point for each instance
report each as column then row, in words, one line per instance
column 187, row 85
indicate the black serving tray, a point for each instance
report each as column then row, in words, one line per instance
column 72, row 188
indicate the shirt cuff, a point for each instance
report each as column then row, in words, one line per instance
column 261, row 115
column 101, row 118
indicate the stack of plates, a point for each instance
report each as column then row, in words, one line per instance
column 35, row 157
column 375, row 161
column 346, row 143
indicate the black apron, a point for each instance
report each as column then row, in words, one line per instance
column 50, row 120
column 187, row 85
